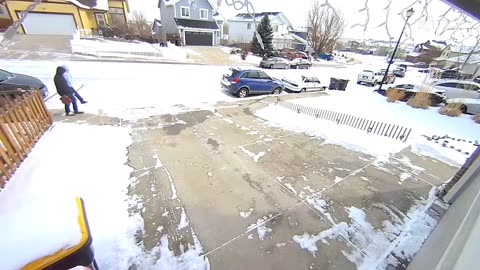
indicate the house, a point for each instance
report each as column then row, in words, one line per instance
column 66, row 17
column 464, row 63
column 426, row 52
column 241, row 29
column 449, row 54
column 5, row 20
column 190, row 22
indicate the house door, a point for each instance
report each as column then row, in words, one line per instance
column 49, row 24
column 198, row 38
column 100, row 17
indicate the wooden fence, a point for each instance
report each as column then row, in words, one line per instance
column 24, row 118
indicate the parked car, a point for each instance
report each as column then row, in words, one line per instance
column 302, row 55
column 390, row 77
column 459, row 88
column 14, row 81
column 399, row 72
column 468, row 105
column 477, row 79
column 436, row 96
column 302, row 84
column 326, row 56
column 369, row 77
column 275, row 62
column 249, row 82
column 421, row 65
column 299, row 63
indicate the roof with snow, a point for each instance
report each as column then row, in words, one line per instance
column 202, row 24
column 258, row 16
column 173, row 2
column 99, row 4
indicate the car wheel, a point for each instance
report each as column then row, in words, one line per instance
column 358, row 82
column 463, row 109
column 303, row 90
column 286, row 66
column 277, row 91
column 242, row 93
column 271, row 66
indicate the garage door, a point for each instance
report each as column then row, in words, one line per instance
column 198, row 38
column 49, row 24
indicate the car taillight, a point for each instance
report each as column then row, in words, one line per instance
column 235, row 80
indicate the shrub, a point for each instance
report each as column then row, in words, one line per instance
column 420, row 100
column 244, row 55
column 476, row 118
column 395, row 94
column 452, row 110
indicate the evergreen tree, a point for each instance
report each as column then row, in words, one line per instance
column 266, row 33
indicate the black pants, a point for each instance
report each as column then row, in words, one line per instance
column 74, row 104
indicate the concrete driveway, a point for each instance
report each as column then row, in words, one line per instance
column 259, row 197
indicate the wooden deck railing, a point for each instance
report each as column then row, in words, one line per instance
column 24, row 118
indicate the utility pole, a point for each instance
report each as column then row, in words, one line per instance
column 13, row 29
column 470, row 53
column 409, row 14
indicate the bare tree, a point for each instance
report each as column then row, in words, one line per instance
column 325, row 27
column 139, row 25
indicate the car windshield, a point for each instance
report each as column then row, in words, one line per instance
column 5, row 75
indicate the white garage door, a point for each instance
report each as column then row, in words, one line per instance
column 49, row 24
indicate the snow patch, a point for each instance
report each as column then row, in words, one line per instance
column 291, row 188
column 261, row 227
column 246, row 214
column 183, row 220
column 254, row 156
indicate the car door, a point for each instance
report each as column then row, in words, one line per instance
column 265, row 82
column 307, row 84
column 470, row 90
column 250, row 79
column 316, row 84
column 451, row 89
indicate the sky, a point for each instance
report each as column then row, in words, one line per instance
column 296, row 11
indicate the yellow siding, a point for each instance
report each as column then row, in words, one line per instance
column 88, row 18
column 85, row 19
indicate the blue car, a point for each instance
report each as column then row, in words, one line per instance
column 250, row 82
column 326, row 56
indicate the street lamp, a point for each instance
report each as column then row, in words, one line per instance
column 409, row 14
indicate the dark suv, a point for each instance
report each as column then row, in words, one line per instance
column 14, row 81
column 244, row 82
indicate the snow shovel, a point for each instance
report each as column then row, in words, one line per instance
column 47, row 99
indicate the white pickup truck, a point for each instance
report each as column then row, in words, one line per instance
column 372, row 78
column 369, row 77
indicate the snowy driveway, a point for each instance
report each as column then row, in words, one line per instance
column 227, row 187
column 222, row 187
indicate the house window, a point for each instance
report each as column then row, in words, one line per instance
column 185, row 12
column 100, row 17
column 275, row 28
column 249, row 26
column 204, row 14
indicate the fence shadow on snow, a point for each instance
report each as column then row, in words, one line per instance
column 392, row 131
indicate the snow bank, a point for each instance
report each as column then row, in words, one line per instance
column 73, row 160
column 134, row 49
column 374, row 107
